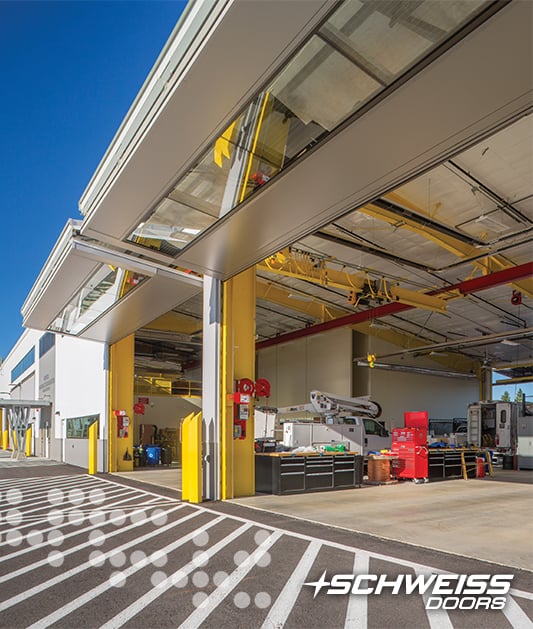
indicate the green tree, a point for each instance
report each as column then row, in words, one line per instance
column 506, row 397
column 519, row 396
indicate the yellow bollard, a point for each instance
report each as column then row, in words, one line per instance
column 29, row 435
column 191, row 457
column 93, row 448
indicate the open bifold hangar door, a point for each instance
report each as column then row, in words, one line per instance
column 97, row 293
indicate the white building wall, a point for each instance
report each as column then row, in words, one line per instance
column 81, row 389
column 294, row 369
column 27, row 340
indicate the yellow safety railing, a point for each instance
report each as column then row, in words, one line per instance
column 191, row 458
column 466, row 467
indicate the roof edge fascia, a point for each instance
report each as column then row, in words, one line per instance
column 198, row 19
column 54, row 260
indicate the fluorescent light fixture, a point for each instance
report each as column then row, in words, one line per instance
column 508, row 342
column 495, row 224
column 438, row 354
column 191, row 231
column 377, row 325
column 299, row 297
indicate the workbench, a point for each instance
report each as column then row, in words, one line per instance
column 287, row 473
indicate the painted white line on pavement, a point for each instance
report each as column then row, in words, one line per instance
column 126, row 614
column 437, row 618
column 75, row 604
column 280, row 610
column 357, row 611
column 521, row 594
column 86, row 564
column 29, row 549
column 31, row 494
column 143, row 491
column 31, row 480
column 230, row 583
column 516, row 615
column 32, row 483
column 25, row 511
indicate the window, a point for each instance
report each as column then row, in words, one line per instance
column 23, row 364
column 46, row 342
column 374, row 428
column 78, row 427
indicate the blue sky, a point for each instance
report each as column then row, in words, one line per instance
column 69, row 73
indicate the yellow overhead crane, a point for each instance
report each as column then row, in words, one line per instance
column 302, row 265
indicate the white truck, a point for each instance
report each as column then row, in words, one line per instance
column 328, row 419
column 493, row 425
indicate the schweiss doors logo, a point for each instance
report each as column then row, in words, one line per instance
column 441, row 591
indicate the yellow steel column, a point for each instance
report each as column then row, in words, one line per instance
column 5, row 439
column 93, row 448
column 29, row 437
column 238, row 361
column 121, row 378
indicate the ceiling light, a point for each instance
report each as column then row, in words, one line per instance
column 496, row 225
column 508, row 342
column 438, row 354
column 299, row 297
column 381, row 326
column 191, row 231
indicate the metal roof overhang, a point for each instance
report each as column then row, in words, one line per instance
column 71, row 265
column 25, row 403
column 477, row 86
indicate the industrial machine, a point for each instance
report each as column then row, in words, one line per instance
column 328, row 419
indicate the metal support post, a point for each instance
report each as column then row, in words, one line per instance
column 212, row 314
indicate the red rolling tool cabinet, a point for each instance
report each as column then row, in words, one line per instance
column 409, row 444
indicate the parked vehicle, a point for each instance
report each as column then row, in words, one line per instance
column 327, row 420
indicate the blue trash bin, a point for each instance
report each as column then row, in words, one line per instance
column 153, row 454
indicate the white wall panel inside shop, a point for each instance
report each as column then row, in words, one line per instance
column 398, row 391
column 325, row 362
column 322, row 362
column 442, row 398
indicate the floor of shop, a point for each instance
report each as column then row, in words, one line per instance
column 160, row 475
column 488, row 518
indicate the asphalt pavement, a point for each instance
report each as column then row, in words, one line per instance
column 80, row 551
